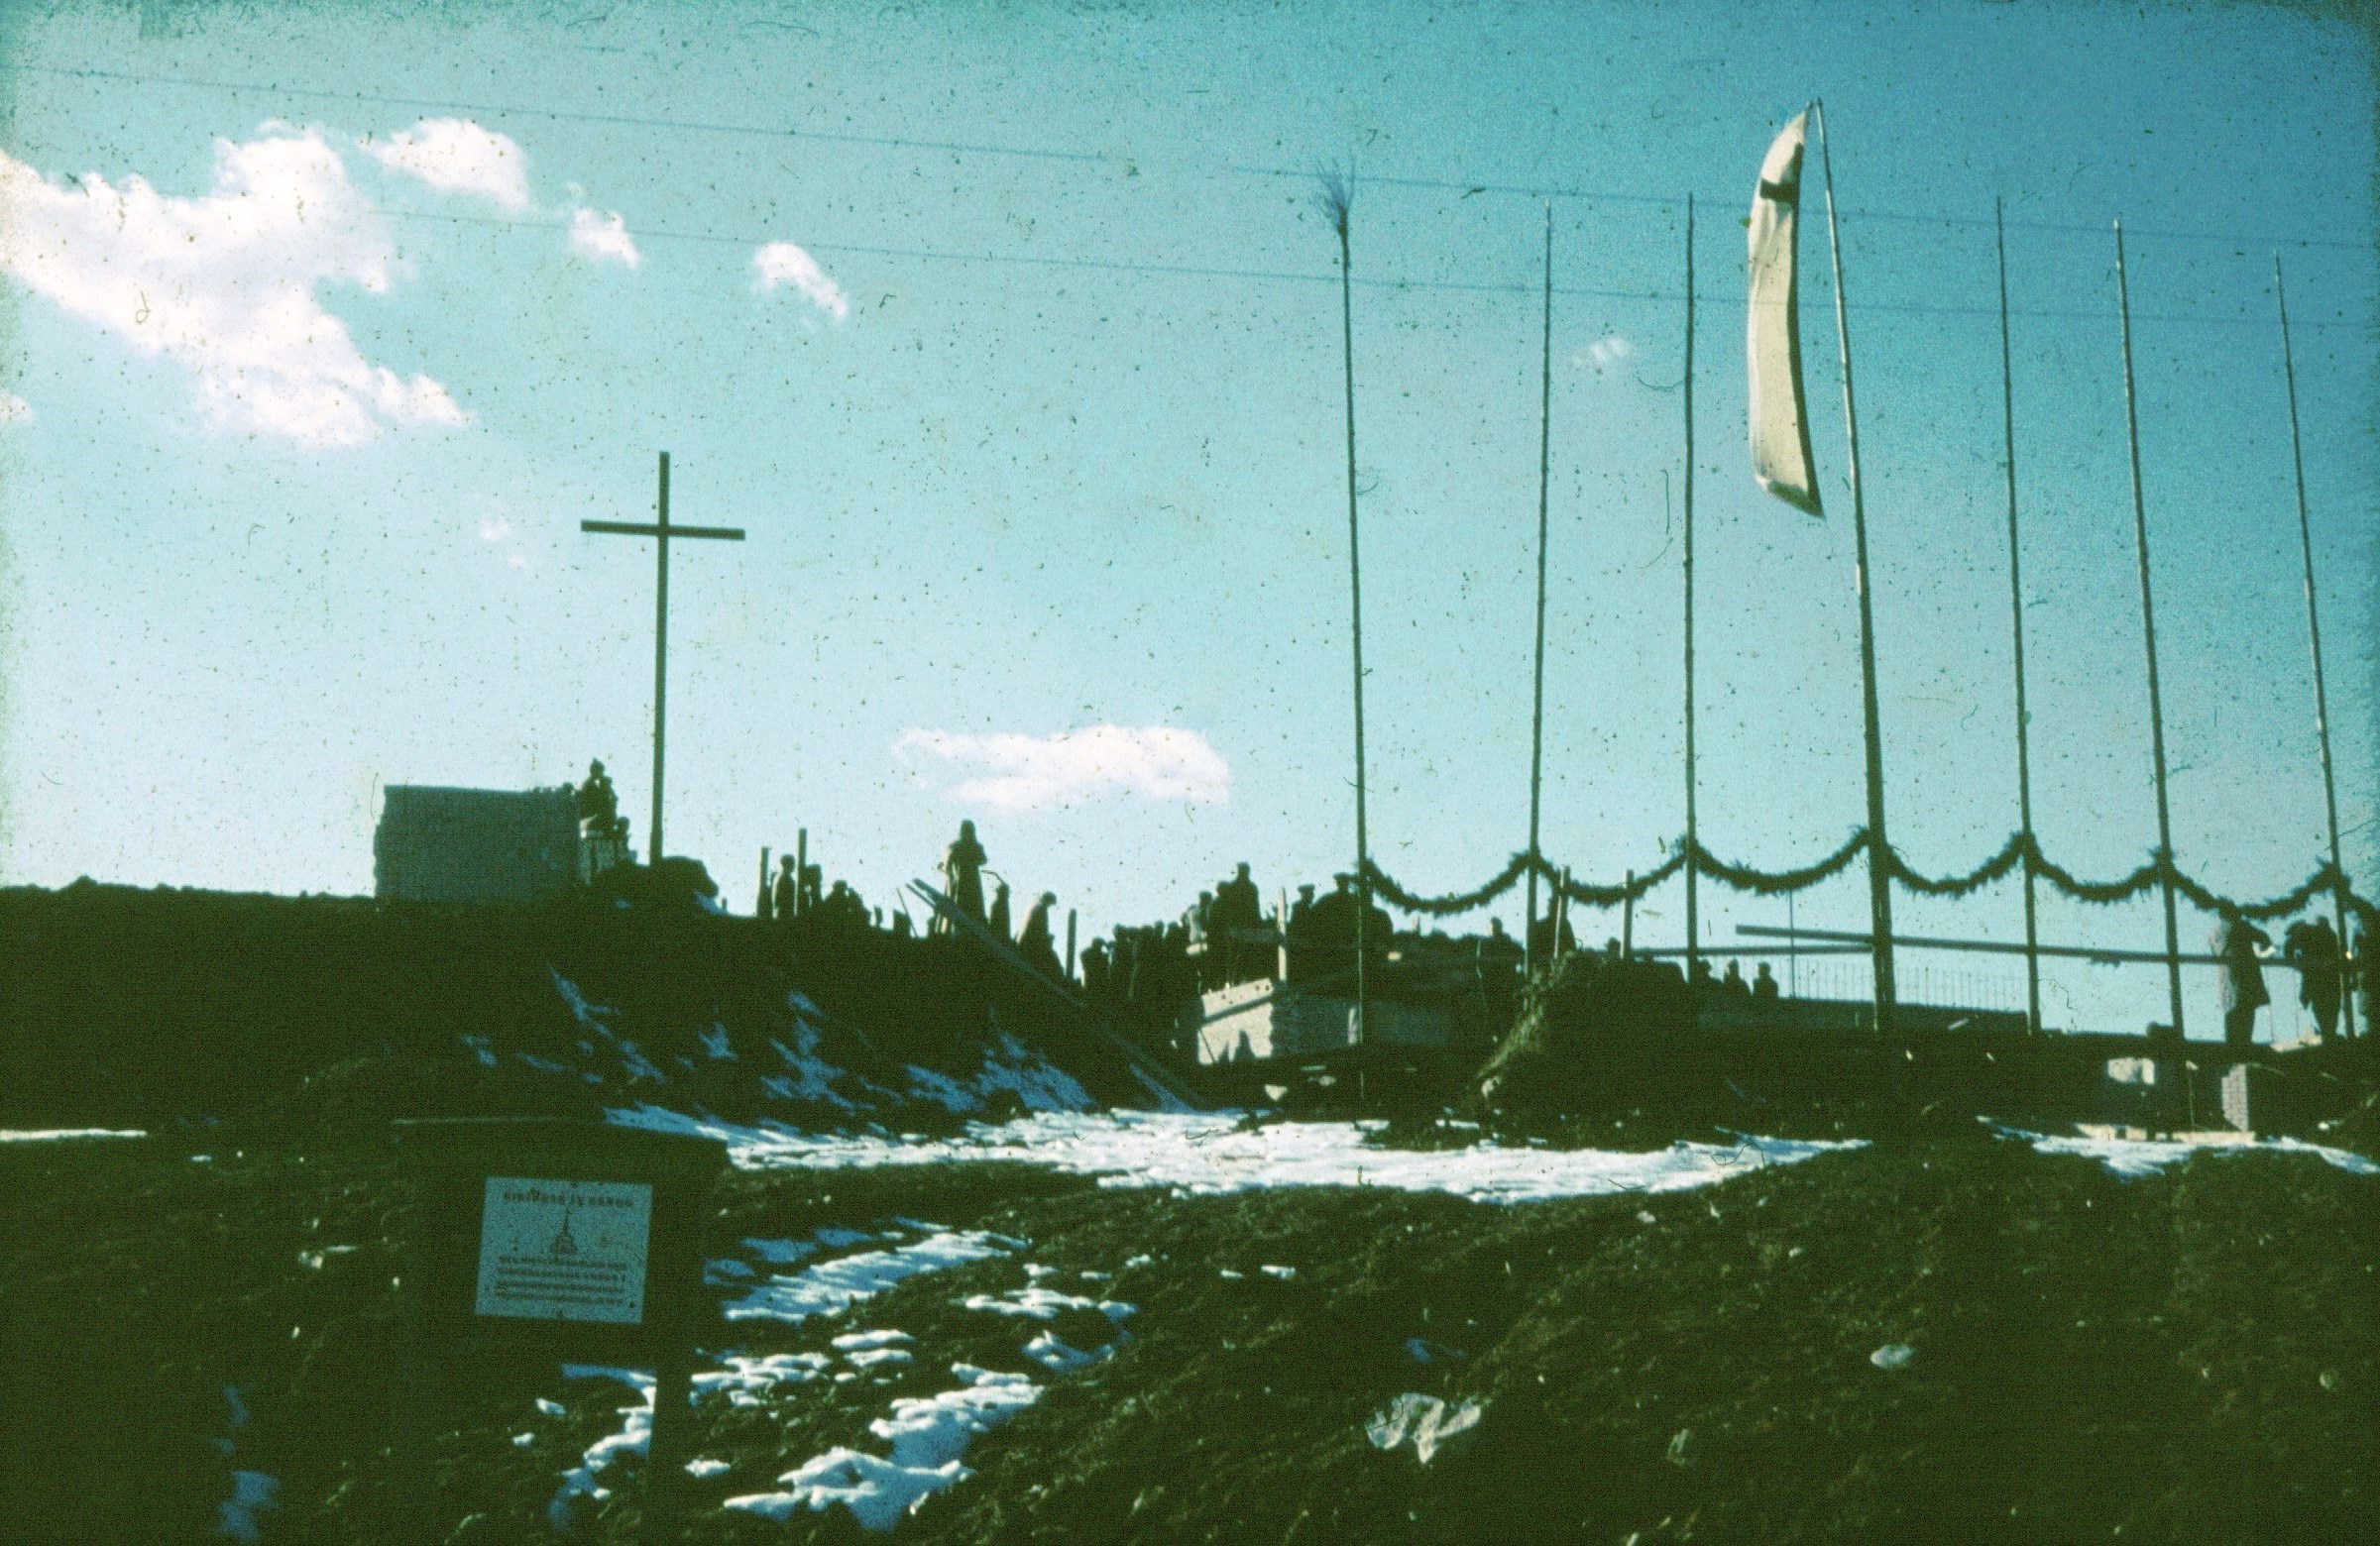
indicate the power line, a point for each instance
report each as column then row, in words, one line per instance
column 1678, row 201
column 1096, row 158
column 563, row 115
column 1293, row 277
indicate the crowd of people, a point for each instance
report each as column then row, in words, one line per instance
column 1226, row 937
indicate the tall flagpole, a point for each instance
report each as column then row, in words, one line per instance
column 1880, row 850
column 2016, row 617
column 1537, row 717
column 1693, row 835
column 2148, row 629
column 1340, row 199
column 2313, row 636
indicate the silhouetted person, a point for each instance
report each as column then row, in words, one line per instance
column 785, row 893
column 1033, row 942
column 2314, row 949
column 841, row 908
column 2242, row 946
column 1499, row 960
column 963, row 876
column 1763, row 984
column 1094, row 970
column 1300, row 936
column 599, row 802
column 1237, row 906
column 1330, row 933
column 1732, row 983
column 811, row 894
column 1699, row 980
column 1197, row 927
column 901, row 927
column 999, row 914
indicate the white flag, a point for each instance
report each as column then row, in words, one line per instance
column 1780, row 422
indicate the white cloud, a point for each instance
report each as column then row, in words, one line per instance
column 782, row 262
column 224, row 284
column 457, row 156
column 603, row 238
column 1031, row 773
column 495, row 528
column 14, row 410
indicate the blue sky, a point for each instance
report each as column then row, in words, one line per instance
column 1011, row 336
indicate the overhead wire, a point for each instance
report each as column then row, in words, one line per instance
column 1101, row 157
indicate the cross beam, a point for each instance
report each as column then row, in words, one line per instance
column 663, row 533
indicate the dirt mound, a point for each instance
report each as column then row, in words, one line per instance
column 152, row 1009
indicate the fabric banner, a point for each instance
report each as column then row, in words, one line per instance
column 1781, row 420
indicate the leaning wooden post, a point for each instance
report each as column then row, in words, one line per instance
column 1879, row 847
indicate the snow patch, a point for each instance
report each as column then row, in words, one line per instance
column 746, row 1381
column 1011, row 1065
column 927, row 1435
column 51, row 1135
column 941, row 1088
column 1206, row 1154
column 636, row 1436
column 1037, row 1303
column 814, row 1075
column 636, row 1064
column 251, row 1492
column 1060, row 1358
column 2134, row 1157
column 837, row 1284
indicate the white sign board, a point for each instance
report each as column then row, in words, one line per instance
column 564, row 1250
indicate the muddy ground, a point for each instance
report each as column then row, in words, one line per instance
column 2193, row 1357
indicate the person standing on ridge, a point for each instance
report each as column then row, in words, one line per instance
column 1034, row 941
column 782, row 894
column 2242, row 946
column 2314, row 949
column 1237, row 906
column 963, row 877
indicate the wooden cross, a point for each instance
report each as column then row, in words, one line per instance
column 665, row 532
